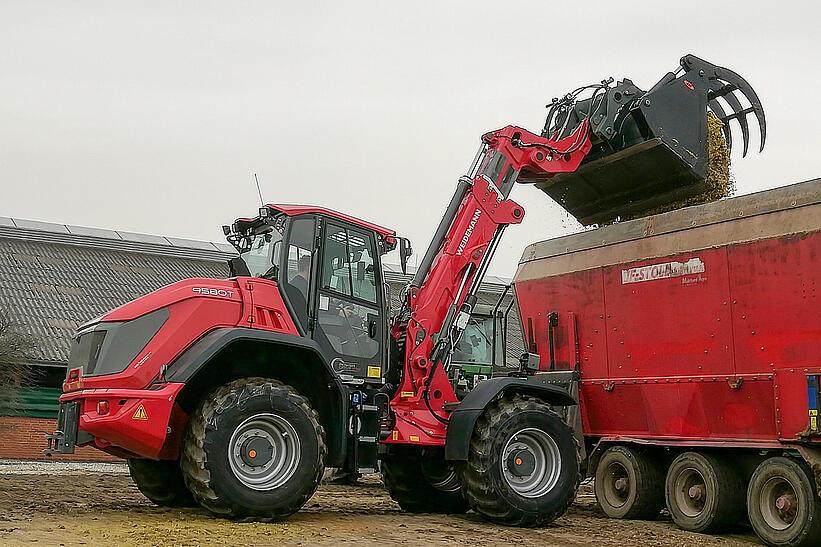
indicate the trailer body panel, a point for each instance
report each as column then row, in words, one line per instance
column 700, row 326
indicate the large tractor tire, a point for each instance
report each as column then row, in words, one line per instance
column 629, row 484
column 161, row 481
column 783, row 504
column 523, row 464
column 253, row 450
column 704, row 493
column 422, row 483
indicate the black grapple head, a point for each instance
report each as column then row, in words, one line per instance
column 650, row 148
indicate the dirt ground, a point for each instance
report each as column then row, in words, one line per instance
column 107, row 509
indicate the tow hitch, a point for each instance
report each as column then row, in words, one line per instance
column 64, row 439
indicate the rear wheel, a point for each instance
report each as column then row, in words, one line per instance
column 703, row 493
column 422, row 483
column 254, row 450
column 629, row 484
column 523, row 468
column 783, row 505
column 161, row 481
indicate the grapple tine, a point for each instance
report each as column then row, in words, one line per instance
column 690, row 62
column 719, row 91
column 735, row 104
column 718, row 110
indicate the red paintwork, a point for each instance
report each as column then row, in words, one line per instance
column 415, row 423
column 141, row 437
column 294, row 210
column 712, row 359
column 197, row 306
column 193, row 311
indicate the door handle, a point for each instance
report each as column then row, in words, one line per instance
column 372, row 325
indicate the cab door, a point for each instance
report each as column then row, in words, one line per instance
column 349, row 321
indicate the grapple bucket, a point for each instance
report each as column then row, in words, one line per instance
column 652, row 151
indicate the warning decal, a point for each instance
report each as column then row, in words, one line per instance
column 140, row 414
column 374, row 372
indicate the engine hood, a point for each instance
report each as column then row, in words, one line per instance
column 221, row 289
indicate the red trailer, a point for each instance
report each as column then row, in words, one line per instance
column 695, row 337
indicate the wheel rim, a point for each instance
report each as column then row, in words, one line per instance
column 617, row 485
column 531, row 463
column 779, row 503
column 690, row 492
column 264, row 452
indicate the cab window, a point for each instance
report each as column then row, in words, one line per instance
column 348, row 267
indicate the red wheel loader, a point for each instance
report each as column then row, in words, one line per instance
column 235, row 394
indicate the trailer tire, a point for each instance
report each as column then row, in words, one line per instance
column 703, row 493
column 161, row 481
column 629, row 484
column 422, row 483
column 254, row 450
column 796, row 525
column 523, row 464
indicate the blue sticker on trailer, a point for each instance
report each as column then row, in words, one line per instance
column 813, row 399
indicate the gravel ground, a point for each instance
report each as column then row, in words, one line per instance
column 98, row 505
column 18, row 467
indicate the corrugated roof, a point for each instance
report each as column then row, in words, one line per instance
column 55, row 276
column 50, row 288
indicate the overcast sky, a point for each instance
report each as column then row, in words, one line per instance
column 153, row 117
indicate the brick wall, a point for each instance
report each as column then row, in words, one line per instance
column 22, row 439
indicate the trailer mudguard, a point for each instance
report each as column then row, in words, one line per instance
column 463, row 418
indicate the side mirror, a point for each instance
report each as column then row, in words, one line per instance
column 238, row 267
column 529, row 363
column 405, row 250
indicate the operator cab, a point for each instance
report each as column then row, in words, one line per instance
column 327, row 266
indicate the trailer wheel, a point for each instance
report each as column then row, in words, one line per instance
column 161, row 481
column 782, row 504
column 629, row 484
column 422, row 483
column 703, row 493
column 253, row 450
column 523, row 467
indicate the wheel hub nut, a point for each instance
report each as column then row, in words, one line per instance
column 784, row 503
column 621, row 484
column 521, row 463
column 696, row 492
column 256, row 451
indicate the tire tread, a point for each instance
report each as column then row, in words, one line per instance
column 475, row 481
column 194, row 458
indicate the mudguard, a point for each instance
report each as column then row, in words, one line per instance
column 196, row 356
column 463, row 418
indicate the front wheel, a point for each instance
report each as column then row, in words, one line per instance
column 523, row 468
column 254, row 450
column 422, row 482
